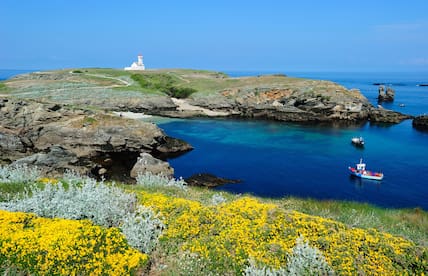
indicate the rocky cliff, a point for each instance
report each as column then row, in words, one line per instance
column 56, row 137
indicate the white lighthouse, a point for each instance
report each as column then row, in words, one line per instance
column 139, row 65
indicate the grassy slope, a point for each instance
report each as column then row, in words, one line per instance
column 167, row 259
column 112, row 80
column 408, row 223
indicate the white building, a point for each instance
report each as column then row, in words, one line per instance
column 139, row 65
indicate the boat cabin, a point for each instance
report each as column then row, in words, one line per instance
column 361, row 166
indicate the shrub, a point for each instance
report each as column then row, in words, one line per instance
column 154, row 180
column 217, row 199
column 180, row 92
column 253, row 270
column 306, row 260
column 142, row 228
column 163, row 83
column 38, row 246
column 19, row 174
column 226, row 236
column 85, row 198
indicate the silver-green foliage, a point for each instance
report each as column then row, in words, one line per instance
column 217, row 199
column 307, row 260
column 154, row 180
column 304, row 260
column 142, row 228
column 253, row 270
column 88, row 199
column 18, row 174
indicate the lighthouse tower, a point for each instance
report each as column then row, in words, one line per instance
column 140, row 60
column 139, row 65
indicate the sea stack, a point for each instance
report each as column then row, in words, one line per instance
column 385, row 96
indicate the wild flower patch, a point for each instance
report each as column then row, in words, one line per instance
column 85, row 198
column 228, row 235
column 44, row 246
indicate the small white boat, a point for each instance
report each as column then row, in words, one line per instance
column 358, row 141
column 360, row 171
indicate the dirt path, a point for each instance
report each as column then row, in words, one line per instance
column 179, row 77
column 183, row 105
column 111, row 78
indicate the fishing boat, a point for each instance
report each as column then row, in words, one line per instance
column 358, row 141
column 360, row 171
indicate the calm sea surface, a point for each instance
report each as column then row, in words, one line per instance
column 277, row 159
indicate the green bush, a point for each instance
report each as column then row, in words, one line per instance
column 180, row 92
column 163, row 83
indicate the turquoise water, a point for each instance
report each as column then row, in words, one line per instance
column 277, row 159
column 282, row 159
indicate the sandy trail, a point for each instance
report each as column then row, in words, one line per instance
column 183, row 105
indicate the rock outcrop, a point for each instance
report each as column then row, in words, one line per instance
column 147, row 163
column 56, row 137
column 208, row 180
column 420, row 122
column 295, row 106
column 385, row 96
column 381, row 115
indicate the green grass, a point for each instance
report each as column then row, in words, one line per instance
column 165, row 83
column 179, row 83
column 3, row 88
column 8, row 190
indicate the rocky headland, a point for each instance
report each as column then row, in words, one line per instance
column 65, row 119
column 57, row 137
column 211, row 94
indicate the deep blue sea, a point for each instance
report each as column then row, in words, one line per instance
column 277, row 159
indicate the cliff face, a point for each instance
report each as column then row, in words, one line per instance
column 56, row 137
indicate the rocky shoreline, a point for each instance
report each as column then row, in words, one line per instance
column 57, row 135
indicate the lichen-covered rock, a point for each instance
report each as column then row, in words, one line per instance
column 147, row 163
column 56, row 138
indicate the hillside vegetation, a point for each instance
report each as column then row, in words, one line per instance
column 163, row 227
column 68, row 85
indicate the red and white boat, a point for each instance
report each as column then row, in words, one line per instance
column 360, row 171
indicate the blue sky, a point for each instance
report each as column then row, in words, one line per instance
column 304, row 35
